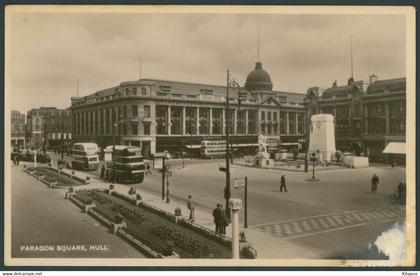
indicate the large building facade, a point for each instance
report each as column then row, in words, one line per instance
column 160, row 115
column 49, row 127
column 366, row 119
column 18, row 129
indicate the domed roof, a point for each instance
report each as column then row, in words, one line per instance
column 258, row 79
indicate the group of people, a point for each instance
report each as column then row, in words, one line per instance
column 220, row 219
column 219, row 214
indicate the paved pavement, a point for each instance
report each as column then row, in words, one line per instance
column 42, row 217
column 326, row 219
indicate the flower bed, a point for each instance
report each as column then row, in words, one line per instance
column 62, row 180
column 153, row 230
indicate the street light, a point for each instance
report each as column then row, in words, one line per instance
column 231, row 83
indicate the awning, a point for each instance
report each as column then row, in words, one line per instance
column 395, row 147
column 193, row 146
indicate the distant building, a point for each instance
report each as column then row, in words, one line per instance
column 366, row 120
column 18, row 129
column 160, row 115
column 47, row 125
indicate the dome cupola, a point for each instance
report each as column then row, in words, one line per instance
column 258, row 79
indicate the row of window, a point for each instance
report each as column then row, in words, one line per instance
column 376, row 117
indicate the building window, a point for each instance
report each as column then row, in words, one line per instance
column 134, row 110
column 376, row 118
column 252, row 122
column 147, row 111
column 204, row 121
column 143, row 91
column 124, row 129
column 342, row 119
column 275, row 116
column 283, row 122
column 292, row 122
column 217, row 118
column 134, row 130
column 263, row 115
column 269, row 129
column 397, row 111
column 161, row 120
column 241, row 128
column 124, row 115
column 176, row 115
column 146, row 129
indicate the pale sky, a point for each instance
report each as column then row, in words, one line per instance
column 49, row 51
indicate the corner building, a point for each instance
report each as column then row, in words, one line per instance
column 159, row 115
column 366, row 119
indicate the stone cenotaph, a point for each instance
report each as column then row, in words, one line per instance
column 322, row 137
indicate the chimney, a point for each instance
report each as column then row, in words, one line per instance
column 373, row 78
column 350, row 81
column 334, row 83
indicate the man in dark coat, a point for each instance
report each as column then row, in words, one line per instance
column 217, row 215
column 103, row 172
column 283, row 184
column 375, row 181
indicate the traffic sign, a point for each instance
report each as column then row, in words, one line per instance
column 222, row 169
column 235, row 204
column 239, row 182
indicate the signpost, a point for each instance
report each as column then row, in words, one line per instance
column 235, row 204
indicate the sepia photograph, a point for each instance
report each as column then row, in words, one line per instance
column 209, row 136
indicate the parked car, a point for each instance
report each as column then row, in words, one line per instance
column 29, row 157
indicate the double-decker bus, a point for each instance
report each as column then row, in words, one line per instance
column 217, row 148
column 85, row 157
column 127, row 163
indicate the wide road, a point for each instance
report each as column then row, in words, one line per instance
column 42, row 217
column 335, row 217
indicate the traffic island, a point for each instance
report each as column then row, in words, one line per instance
column 153, row 228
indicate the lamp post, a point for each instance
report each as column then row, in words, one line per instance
column 113, row 152
column 234, row 84
column 62, row 141
column 227, row 187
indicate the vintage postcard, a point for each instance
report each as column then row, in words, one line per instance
column 209, row 136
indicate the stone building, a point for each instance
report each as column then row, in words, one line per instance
column 17, row 130
column 160, row 115
column 366, row 120
column 47, row 125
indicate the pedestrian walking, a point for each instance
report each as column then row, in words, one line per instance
column 375, row 181
column 148, row 171
column 191, row 207
column 102, row 172
column 217, row 215
column 283, row 184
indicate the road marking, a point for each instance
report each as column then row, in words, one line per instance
column 335, row 229
column 301, row 227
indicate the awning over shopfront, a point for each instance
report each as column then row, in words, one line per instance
column 395, row 147
column 193, row 146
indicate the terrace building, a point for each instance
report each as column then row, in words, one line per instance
column 366, row 120
column 18, row 129
column 160, row 115
column 49, row 127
